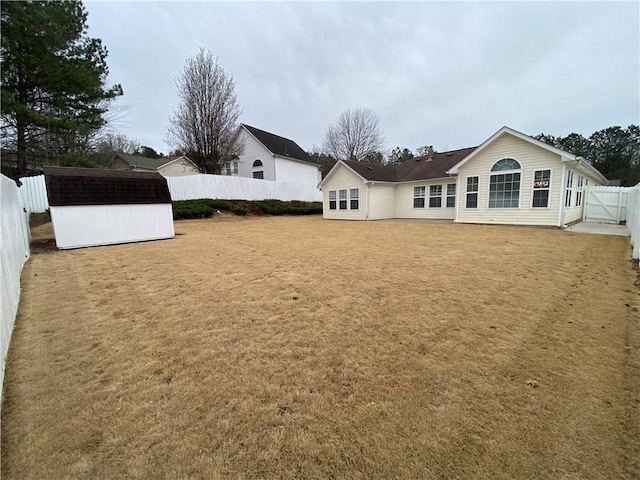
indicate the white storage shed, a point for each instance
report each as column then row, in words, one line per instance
column 92, row 207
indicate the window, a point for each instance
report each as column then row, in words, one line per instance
column 332, row 200
column 258, row 173
column 569, row 190
column 579, row 191
column 451, row 195
column 227, row 167
column 504, row 188
column 343, row 199
column 354, row 197
column 435, row 196
column 419, row 194
column 541, row 183
column 235, row 168
column 472, row 192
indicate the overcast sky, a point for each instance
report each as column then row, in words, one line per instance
column 442, row 74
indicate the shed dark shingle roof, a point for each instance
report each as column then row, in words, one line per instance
column 419, row 168
column 279, row 145
column 93, row 186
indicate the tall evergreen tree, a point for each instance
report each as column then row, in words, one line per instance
column 53, row 78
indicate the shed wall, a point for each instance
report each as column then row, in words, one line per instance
column 91, row 225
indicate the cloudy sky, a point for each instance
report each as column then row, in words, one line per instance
column 441, row 74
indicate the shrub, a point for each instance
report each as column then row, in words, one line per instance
column 191, row 209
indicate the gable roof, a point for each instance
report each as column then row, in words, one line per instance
column 418, row 168
column 96, row 186
column 564, row 155
column 280, row 146
column 135, row 161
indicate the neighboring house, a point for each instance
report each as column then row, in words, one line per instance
column 166, row 166
column 271, row 157
column 510, row 179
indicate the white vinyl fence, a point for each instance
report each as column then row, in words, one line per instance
column 191, row 187
column 633, row 219
column 14, row 251
column 33, row 193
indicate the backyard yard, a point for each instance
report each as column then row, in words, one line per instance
column 302, row 348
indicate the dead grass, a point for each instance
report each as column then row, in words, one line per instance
column 302, row 348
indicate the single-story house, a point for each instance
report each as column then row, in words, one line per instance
column 511, row 178
column 271, row 157
column 93, row 206
column 166, row 166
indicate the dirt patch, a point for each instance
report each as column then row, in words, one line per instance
column 302, row 348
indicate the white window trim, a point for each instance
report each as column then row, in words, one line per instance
column 351, row 198
column 504, row 172
column 346, row 198
column 579, row 190
column 335, row 200
column 477, row 192
column 533, row 179
column 447, row 196
column 568, row 189
column 428, row 204
column 424, row 197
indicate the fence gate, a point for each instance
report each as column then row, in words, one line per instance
column 606, row 204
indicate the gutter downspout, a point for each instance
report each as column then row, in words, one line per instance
column 563, row 193
column 366, row 215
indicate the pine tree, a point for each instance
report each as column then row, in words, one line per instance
column 53, row 78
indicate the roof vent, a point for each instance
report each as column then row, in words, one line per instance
column 450, row 154
column 430, row 153
column 369, row 167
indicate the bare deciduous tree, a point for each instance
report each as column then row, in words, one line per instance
column 355, row 136
column 207, row 118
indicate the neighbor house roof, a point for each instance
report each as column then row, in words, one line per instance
column 418, row 168
column 147, row 163
column 95, row 186
column 283, row 147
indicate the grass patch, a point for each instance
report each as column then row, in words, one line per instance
column 284, row 347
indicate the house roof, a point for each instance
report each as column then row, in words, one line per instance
column 135, row 161
column 95, row 186
column 418, row 168
column 283, row 147
column 564, row 155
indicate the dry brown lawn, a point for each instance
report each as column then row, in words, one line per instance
column 305, row 348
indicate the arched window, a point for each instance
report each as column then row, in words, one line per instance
column 505, row 164
column 257, row 170
column 504, row 187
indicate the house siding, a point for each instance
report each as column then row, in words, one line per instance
column 178, row 168
column 531, row 158
column 404, row 201
column 381, row 201
column 296, row 172
column 254, row 150
column 343, row 178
